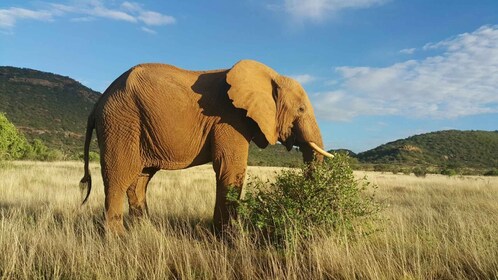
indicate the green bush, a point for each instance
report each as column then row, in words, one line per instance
column 38, row 151
column 92, row 156
column 35, row 150
column 449, row 172
column 382, row 168
column 13, row 145
column 420, row 171
column 54, row 155
column 316, row 198
column 493, row 172
column 393, row 168
column 398, row 169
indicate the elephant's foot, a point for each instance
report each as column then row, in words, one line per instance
column 224, row 216
column 220, row 226
column 226, row 230
column 114, row 225
column 114, row 201
column 139, row 211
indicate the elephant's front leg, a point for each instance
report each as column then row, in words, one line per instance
column 230, row 150
column 229, row 178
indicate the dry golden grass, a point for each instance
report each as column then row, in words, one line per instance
column 434, row 228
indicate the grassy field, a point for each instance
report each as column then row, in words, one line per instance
column 433, row 228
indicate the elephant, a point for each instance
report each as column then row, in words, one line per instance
column 157, row 116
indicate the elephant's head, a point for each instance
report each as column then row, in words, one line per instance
column 278, row 105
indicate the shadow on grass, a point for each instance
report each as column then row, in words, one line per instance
column 87, row 220
column 82, row 220
column 192, row 227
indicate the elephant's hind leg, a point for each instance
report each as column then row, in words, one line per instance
column 114, row 202
column 116, row 183
column 137, row 193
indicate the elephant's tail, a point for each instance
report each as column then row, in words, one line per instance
column 86, row 181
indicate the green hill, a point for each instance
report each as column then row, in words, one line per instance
column 43, row 105
column 276, row 155
column 454, row 148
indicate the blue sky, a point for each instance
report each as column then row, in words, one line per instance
column 375, row 70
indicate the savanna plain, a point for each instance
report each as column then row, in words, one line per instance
column 437, row 227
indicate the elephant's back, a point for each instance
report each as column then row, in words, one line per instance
column 175, row 120
column 152, row 91
column 158, row 78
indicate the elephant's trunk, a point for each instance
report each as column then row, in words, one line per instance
column 310, row 140
column 309, row 154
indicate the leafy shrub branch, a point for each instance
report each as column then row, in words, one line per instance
column 315, row 198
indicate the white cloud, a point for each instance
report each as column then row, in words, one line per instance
column 87, row 10
column 304, row 78
column 9, row 17
column 131, row 6
column 461, row 81
column 148, row 30
column 82, row 19
column 408, row 51
column 154, row 18
column 148, row 17
column 317, row 10
column 101, row 11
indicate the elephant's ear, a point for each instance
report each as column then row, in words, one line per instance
column 252, row 89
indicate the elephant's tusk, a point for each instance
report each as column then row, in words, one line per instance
column 320, row 150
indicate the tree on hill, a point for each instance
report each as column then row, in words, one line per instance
column 13, row 145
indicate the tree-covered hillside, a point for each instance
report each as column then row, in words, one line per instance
column 475, row 149
column 276, row 155
column 43, row 105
